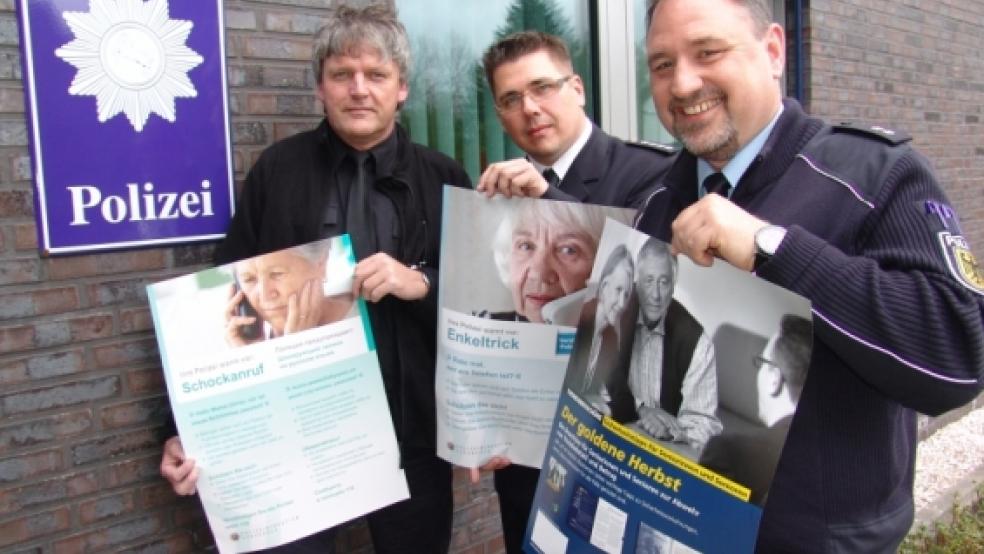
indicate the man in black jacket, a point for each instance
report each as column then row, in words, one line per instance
column 359, row 173
column 851, row 218
column 540, row 103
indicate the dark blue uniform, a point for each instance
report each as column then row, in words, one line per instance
column 611, row 172
column 897, row 306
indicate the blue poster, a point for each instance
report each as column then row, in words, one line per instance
column 674, row 409
column 128, row 122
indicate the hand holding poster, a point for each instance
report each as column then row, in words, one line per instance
column 277, row 394
column 675, row 407
column 508, row 302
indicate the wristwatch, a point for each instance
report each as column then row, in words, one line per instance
column 767, row 241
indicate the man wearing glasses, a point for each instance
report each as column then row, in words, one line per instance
column 540, row 103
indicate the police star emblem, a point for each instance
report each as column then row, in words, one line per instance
column 962, row 262
column 132, row 57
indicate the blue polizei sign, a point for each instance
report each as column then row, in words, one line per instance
column 128, row 121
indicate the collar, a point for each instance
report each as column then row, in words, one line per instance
column 660, row 328
column 385, row 154
column 738, row 165
column 566, row 160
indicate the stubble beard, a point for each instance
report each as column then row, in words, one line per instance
column 712, row 144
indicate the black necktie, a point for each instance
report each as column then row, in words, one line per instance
column 550, row 176
column 358, row 217
column 717, row 183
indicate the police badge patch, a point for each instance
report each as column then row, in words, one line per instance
column 961, row 261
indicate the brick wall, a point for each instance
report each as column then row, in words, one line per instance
column 82, row 398
column 913, row 65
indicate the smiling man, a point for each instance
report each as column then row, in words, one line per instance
column 540, row 102
column 359, row 173
column 852, row 218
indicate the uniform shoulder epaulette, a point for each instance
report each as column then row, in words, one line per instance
column 874, row 131
column 667, row 149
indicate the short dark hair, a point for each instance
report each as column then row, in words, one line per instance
column 512, row 47
column 795, row 344
column 760, row 10
column 350, row 28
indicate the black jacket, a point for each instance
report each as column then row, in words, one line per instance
column 611, row 172
column 897, row 326
column 287, row 200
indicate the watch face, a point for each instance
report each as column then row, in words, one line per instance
column 768, row 238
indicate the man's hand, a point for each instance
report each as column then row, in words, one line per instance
column 715, row 227
column 178, row 469
column 380, row 275
column 304, row 307
column 659, row 424
column 496, row 462
column 511, row 178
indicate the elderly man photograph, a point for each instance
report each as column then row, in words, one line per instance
column 672, row 376
column 358, row 172
column 846, row 216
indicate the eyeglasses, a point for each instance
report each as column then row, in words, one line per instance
column 540, row 90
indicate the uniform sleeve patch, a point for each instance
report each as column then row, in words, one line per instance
column 961, row 262
column 946, row 215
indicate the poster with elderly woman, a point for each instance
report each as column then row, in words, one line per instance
column 276, row 391
column 512, row 286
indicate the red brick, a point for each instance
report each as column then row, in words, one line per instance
column 58, row 300
column 134, row 412
column 47, row 491
column 11, row 100
column 19, row 468
column 110, row 536
column 25, row 237
column 16, row 339
column 104, row 264
column 145, row 381
column 156, row 495
column 261, row 104
column 277, row 48
column 45, row 429
column 129, row 443
column 96, row 326
column 35, row 525
column 60, row 396
column 137, row 351
column 134, row 470
column 176, row 543
column 15, row 272
column 135, row 320
column 107, row 507
column 16, row 203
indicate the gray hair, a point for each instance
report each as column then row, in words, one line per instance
column 657, row 249
column 759, row 10
column 349, row 30
column 550, row 213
